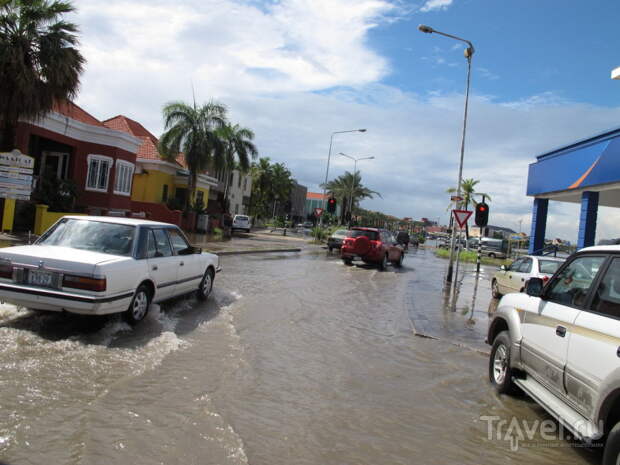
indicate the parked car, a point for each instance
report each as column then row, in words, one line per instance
column 308, row 225
column 372, row 245
column 334, row 241
column 560, row 344
column 100, row 265
column 241, row 222
column 514, row 277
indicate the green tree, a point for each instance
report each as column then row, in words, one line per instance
column 239, row 151
column 271, row 184
column 261, row 177
column 39, row 61
column 195, row 132
column 348, row 186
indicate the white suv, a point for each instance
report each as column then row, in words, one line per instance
column 560, row 343
column 241, row 222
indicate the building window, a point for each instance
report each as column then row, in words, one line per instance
column 236, row 209
column 164, row 194
column 98, row 173
column 245, row 184
column 124, row 176
column 239, row 181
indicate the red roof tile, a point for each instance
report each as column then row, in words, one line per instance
column 315, row 196
column 148, row 150
column 71, row 110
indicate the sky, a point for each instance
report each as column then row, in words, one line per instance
column 295, row 71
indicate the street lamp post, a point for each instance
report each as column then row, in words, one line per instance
column 329, row 156
column 355, row 160
column 469, row 52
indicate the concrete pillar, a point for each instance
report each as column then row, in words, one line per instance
column 539, row 226
column 587, row 219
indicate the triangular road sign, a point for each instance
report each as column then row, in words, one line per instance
column 318, row 212
column 461, row 217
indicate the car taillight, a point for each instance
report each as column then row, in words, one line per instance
column 83, row 282
column 375, row 244
column 545, row 279
column 6, row 270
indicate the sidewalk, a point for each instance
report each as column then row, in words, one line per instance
column 429, row 306
column 255, row 243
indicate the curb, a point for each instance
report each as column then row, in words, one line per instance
column 247, row 252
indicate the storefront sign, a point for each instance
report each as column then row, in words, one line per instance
column 16, row 175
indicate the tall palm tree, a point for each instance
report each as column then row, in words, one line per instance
column 281, row 183
column 348, row 188
column 194, row 131
column 239, row 150
column 39, row 61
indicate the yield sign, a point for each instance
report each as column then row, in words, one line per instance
column 319, row 211
column 461, row 216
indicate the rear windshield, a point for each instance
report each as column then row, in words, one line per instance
column 548, row 266
column 341, row 232
column 242, row 218
column 96, row 236
column 372, row 235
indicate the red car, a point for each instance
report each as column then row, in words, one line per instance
column 372, row 245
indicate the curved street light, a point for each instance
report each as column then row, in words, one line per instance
column 329, row 156
column 355, row 160
column 469, row 52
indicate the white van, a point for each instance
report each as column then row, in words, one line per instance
column 241, row 222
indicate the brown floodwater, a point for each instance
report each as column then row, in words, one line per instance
column 294, row 359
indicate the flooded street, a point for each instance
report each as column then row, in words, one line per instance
column 295, row 358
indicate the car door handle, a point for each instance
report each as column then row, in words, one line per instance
column 560, row 331
column 618, row 352
column 181, row 264
column 155, row 268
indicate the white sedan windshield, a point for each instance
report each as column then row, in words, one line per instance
column 96, row 236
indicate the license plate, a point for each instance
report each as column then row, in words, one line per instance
column 40, row 278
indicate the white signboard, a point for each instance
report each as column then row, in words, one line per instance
column 16, row 175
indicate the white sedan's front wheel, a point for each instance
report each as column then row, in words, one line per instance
column 139, row 306
column 206, row 285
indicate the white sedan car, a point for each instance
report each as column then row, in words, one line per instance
column 514, row 277
column 100, row 265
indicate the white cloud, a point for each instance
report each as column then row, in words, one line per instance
column 431, row 5
column 297, row 70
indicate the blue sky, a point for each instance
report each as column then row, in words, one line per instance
column 296, row 70
column 523, row 48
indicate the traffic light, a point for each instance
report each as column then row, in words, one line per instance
column 331, row 205
column 482, row 214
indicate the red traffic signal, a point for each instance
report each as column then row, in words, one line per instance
column 331, row 205
column 482, row 214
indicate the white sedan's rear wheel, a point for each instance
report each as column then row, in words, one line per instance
column 139, row 306
column 206, row 285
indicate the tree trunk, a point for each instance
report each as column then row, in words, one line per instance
column 191, row 188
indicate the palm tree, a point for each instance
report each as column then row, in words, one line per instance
column 39, row 61
column 238, row 151
column 281, row 183
column 194, row 131
column 348, row 188
column 468, row 192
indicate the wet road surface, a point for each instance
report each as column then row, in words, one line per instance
column 294, row 359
